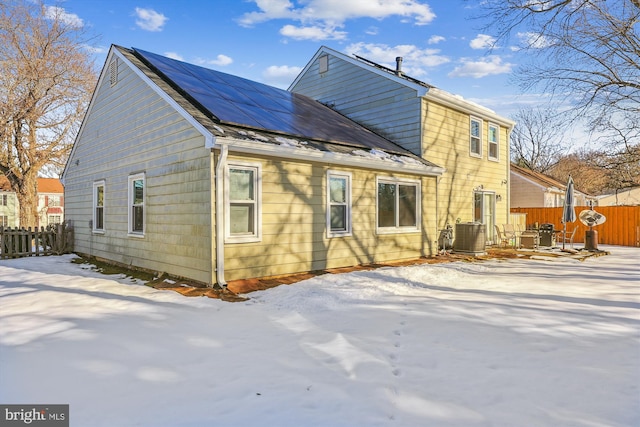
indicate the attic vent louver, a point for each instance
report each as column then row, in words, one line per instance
column 113, row 72
column 323, row 64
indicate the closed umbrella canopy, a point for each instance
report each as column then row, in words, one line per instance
column 569, row 210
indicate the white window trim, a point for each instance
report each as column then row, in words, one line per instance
column 497, row 142
column 257, row 236
column 471, row 153
column 132, row 178
column 398, row 229
column 347, row 176
column 97, row 184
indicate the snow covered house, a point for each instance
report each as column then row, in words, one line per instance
column 470, row 141
column 208, row 176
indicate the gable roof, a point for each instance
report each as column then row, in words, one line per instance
column 541, row 179
column 236, row 101
column 538, row 178
column 355, row 146
column 50, row 185
column 45, row 185
column 422, row 89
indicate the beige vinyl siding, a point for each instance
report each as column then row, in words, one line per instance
column 130, row 130
column 381, row 104
column 294, row 237
column 446, row 142
column 526, row 194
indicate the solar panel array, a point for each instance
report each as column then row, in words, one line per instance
column 237, row 101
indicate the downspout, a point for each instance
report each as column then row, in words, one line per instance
column 437, row 216
column 222, row 161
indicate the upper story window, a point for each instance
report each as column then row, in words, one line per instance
column 398, row 203
column 3, row 200
column 136, row 198
column 338, row 204
column 475, row 143
column 54, row 201
column 243, row 202
column 494, row 142
column 98, row 206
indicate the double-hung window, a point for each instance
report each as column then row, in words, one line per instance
column 494, row 142
column 338, row 204
column 398, row 205
column 3, row 200
column 475, row 142
column 243, row 207
column 136, row 204
column 98, row 206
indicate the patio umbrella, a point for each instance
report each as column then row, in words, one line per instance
column 568, row 212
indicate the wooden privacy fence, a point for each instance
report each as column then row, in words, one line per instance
column 20, row 242
column 621, row 228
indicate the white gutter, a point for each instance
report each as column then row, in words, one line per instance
column 219, row 215
column 309, row 154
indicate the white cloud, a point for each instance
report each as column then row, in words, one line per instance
column 312, row 33
column 280, row 75
column 94, row 49
column 435, row 39
column 333, row 13
column 478, row 69
column 220, row 60
column 415, row 60
column 482, row 41
column 55, row 12
column 174, row 55
column 149, row 19
column 534, row 40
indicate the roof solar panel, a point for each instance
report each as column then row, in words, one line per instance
column 238, row 101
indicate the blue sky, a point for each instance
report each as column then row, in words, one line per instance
column 270, row 41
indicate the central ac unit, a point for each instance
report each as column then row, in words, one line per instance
column 471, row 238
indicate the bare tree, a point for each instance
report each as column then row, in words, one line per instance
column 46, row 78
column 583, row 52
column 538, row 140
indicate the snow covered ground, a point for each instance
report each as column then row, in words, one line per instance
column 496, row 343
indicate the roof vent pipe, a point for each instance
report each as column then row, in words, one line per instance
column 399, row 65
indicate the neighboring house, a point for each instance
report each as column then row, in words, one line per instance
column 531, row 189
column 9, row 212
column 627, row 197
column 470, row 141
column 203, row 175
column 50, row 202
